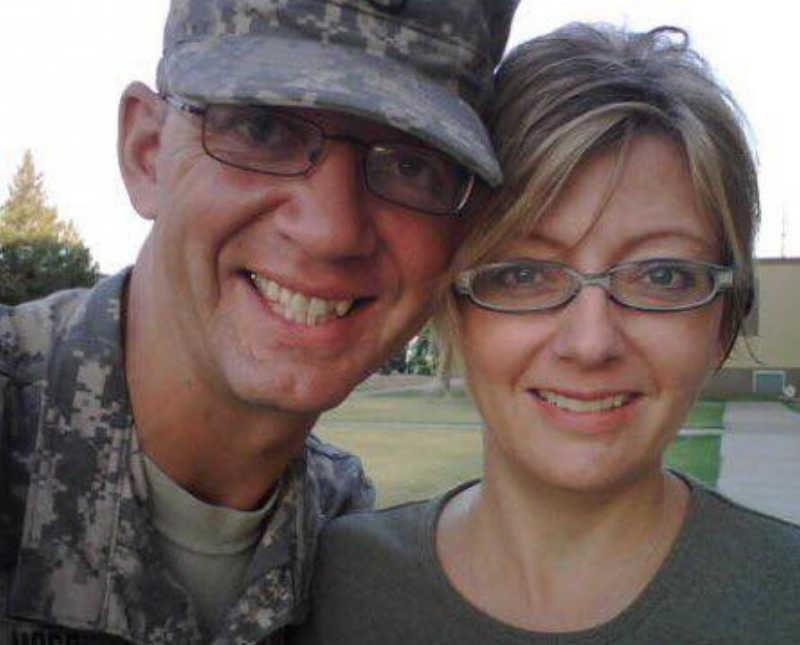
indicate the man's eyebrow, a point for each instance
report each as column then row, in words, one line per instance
column 342, row 123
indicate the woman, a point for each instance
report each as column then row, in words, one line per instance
column 592, row 299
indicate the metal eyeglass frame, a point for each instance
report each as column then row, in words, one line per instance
column 197, row 109
column 723, row 280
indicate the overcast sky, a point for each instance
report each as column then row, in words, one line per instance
column 64, row 63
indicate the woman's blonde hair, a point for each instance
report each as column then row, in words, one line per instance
column 564, row 96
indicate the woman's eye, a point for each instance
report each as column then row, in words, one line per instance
column 661, row 276
column 669, row 277
column 516, row 276
column 519, row 276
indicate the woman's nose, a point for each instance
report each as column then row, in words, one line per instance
column 589, row 328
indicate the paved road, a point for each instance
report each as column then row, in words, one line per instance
column 760, row 457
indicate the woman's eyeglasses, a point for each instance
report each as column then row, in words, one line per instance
column 524, row 285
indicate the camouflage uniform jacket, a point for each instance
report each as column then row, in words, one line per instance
column 78, row 559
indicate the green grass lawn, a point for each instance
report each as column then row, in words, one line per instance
column 706, row 414
column 411, row 463
column 697, row 456
column 406, row 407
column 794, row 406
column 416, row 445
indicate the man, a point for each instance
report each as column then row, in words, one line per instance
column 304, row 164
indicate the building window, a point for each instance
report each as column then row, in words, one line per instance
column 769, row 382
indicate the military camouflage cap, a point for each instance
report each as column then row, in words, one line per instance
column 422, row 66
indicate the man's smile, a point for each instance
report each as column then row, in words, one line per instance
column 299, row 307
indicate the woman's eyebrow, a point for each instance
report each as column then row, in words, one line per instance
column 635, row 239
column 689, row 238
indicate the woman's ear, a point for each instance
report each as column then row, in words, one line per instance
column 141, row 117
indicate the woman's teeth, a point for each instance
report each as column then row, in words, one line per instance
column 584, row 405
column 297, row 307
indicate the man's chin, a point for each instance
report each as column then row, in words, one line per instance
column 294, row 395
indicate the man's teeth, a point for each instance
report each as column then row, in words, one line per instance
column 297, row 306
column 583, row 405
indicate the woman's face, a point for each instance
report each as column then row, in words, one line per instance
column 587, row 396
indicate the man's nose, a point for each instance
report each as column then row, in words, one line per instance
column 589, row 329
column 329, row 215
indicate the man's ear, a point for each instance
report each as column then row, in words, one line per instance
column 141, row 117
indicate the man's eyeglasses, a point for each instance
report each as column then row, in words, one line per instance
column 526, row 285
column 274, row 141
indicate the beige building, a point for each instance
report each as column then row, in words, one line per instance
column 772, row 332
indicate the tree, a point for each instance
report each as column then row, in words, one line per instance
column 395, row 363
column 39, row 253
column 421, row 353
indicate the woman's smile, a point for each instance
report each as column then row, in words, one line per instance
column 584, row 404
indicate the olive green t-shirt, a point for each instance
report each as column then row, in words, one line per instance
column 207, row 548
column 732, row 577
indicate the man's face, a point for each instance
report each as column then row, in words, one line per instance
column 285, row 292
